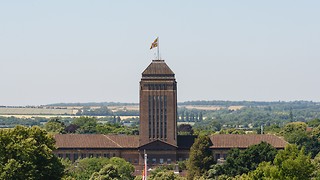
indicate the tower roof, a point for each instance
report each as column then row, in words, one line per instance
column 157, row 68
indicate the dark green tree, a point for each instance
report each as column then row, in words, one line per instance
column 86, row 125
column 290, row 163
column 108, row 172
column 26, row 153
column 54, row 125
column 200, row 158
column 314, row 123
column 185, row 129
column 82, row 169
column 239, row 162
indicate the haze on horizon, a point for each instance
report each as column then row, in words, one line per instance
column 95, row 51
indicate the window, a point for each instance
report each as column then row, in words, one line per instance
column 217, row 156
column 105, row 155
column 60, row 155
column 168, row 161
column 90, row 155
column 161, row 160
column 75, row 157
column 83, row 155
column 154, row 160
column 224, row 156
column 68, row 156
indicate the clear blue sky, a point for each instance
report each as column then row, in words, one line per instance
column 95, row 51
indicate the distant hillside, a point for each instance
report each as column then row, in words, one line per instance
column 89, row 104
column 249, row 103
column 291, row 104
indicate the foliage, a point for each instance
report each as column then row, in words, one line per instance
column 85, row 168
column 109, row 128
column 124, row 168
column 290, row 163
column 182, row 165
column 239, row 162
column 108, row 172
column 314, row 122
column 14, row 121
column 87, row 125
column 82, row 169
column 55, row 126
column 26, row 153
column 232, row 131
column 71, row 128
column 272, row 129
column 200, row 157
column 316, row 163
column 296, row 133
column 166, row 175
column 185, row 129
column 208, row 125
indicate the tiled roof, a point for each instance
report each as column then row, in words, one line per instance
column 96, row 141
column 157, row 67
column 245, row 140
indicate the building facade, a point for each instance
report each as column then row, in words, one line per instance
column 158, row 129
column 158, row 104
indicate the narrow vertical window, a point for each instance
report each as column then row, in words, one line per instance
column 149, row 115
column 165, row 117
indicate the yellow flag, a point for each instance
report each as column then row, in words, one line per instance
column 154, row 44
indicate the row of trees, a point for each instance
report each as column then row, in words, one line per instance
column 89, row 125
column 260, row 161
column 105, row 111
column 299, row 160
column 27, row 153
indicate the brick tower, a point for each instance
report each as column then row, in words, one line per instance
column 158, row 104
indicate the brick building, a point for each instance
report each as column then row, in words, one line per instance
column 158, row 126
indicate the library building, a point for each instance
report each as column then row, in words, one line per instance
column 157, row 132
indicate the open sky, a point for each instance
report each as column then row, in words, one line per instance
column 95, row 51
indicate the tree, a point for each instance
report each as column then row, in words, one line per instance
column 314, row 123
column 124, row 168
column 71, row 128
column 166, row 175
column 232, row 131
column 26, row 153
column 108, row 172
column 86, row 124
column 239, row 162
column 200, row 158
column 290, row 163
column 185, row 129
column 55, row 126
column 82, row 169
column 85, row 168
column 316, row 163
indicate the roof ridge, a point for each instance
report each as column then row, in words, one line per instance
column 112, row 140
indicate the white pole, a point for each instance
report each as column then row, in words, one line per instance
column 145, row 165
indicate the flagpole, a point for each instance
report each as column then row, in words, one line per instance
column 145, row 166
column 158, row 48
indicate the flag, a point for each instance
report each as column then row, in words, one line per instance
column 154, row 44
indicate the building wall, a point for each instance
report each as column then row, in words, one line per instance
column 130, row 155
column 158, row 107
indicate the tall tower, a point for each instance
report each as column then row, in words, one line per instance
column 158, row 104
